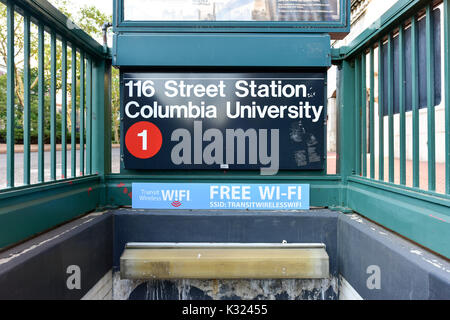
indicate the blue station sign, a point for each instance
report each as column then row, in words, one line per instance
column 211, row 196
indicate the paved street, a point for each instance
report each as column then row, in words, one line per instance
column 18, row 172
column 440, row 168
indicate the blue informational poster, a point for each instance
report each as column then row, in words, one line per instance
column 220, row 196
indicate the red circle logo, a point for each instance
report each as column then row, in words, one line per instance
column 143, row 140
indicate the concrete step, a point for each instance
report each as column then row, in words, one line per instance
column 224, row 261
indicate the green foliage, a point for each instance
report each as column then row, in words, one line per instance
column 90, row 19
column 19, row 117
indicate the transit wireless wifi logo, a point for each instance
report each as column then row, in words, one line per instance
column 176, row 204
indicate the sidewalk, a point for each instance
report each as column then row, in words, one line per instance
column 47, row 147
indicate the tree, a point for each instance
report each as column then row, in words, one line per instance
column 90, row 19
column 18, row 50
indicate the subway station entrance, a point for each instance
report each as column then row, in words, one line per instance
column 224, row 189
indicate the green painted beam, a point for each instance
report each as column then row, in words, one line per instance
column 417, row 216
column 47, row 205
column 347, row 118
column 101, row 117
column 203, row 49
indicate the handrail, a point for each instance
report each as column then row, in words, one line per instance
column 401, row 10
column 44, row 12
column 54, row 194
column 395, row 73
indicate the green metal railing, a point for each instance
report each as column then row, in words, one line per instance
column 84, row 50
column 397, row 202
column 362, row 50
column 66, row 60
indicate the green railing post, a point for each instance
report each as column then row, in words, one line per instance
column 371, row 116
column 53, row 106
column 357, row 115
column 348, row 117
column 430, row 99
column 381, row 110
column 415, row 100
column 64, row 110
column 89, row 116
column 101, row 116
column 41, row 102
column 82, row 100
column 363, row 114
column 391, row 105
column 26, row 99
column 447, row 92
column 10, row 93
column 402, row 84
column 73, row 98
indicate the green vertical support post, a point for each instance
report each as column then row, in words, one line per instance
column 101, row 117
column 64, row 110
column 73, row 98
column 357, row 116
column 391, row 105
column 82, row 100
column 415, row 100
column 41, row 102
column 26, row 99
column 325, row 157
column 10, row 89
column 89, row 116
column 402, row 84
column 371, row 116
column 53, row 106
column 363, row 114
column 348, row 117
column 430, row 99
column 447, row 92
column 380, row 110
